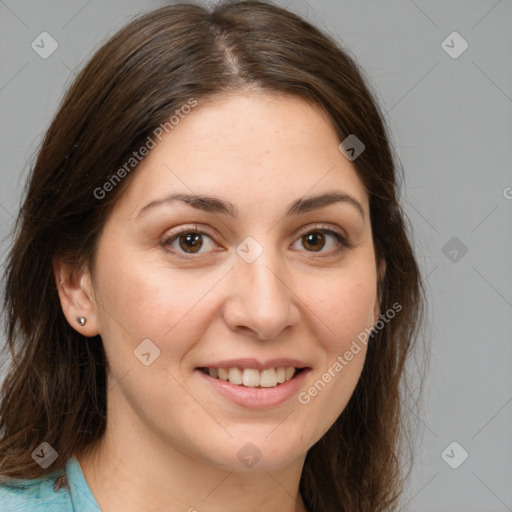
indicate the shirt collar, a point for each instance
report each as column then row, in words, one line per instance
column 81, row 496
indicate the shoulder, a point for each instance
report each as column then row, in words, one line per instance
column 49, row 494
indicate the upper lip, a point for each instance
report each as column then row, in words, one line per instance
column 257, row 364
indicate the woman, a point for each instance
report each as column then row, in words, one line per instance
column 211, row 294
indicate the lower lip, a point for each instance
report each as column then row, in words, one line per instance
column 257, row 398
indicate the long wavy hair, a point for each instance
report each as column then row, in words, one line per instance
column 55, row 387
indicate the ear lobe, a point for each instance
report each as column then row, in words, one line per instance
column 76, row 296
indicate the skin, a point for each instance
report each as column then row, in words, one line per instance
column 172, row 441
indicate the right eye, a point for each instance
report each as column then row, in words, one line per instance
column 188, row 242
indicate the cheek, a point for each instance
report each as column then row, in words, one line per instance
column 343, row 305
column 342, row 313
column 141, row 299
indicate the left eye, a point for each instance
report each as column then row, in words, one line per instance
column 315, row 241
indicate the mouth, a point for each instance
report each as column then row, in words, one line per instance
column 253, row 378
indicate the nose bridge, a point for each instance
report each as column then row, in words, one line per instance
column 260, row 300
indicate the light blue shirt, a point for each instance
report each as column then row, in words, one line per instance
column 50, row 493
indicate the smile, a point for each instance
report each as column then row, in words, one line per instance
column 256, row 389
column 253, row 378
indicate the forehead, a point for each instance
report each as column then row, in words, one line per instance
column 248, row 147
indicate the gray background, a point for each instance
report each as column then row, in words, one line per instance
column 451, row 123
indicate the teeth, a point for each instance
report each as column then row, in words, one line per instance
column 268, row 378
column 235, row 376
column 250, row 377
column 289, row 373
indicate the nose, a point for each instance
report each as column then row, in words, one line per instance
column 261, row 302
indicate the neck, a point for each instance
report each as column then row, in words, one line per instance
column 148, row 475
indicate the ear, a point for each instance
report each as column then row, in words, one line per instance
column 381, row 271
column 76, row 296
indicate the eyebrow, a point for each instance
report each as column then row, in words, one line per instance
column 215, row 205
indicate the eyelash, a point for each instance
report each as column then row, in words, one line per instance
column 343, row 241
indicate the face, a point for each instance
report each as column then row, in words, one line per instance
column 253, row 277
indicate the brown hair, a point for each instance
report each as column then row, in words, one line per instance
column 55, row 389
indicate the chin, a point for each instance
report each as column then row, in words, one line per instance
column 258, row 452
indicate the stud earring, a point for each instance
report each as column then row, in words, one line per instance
column 81, row 320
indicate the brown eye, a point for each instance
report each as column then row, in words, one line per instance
column 314, row 241
column 323, row 241
column 190, row 242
